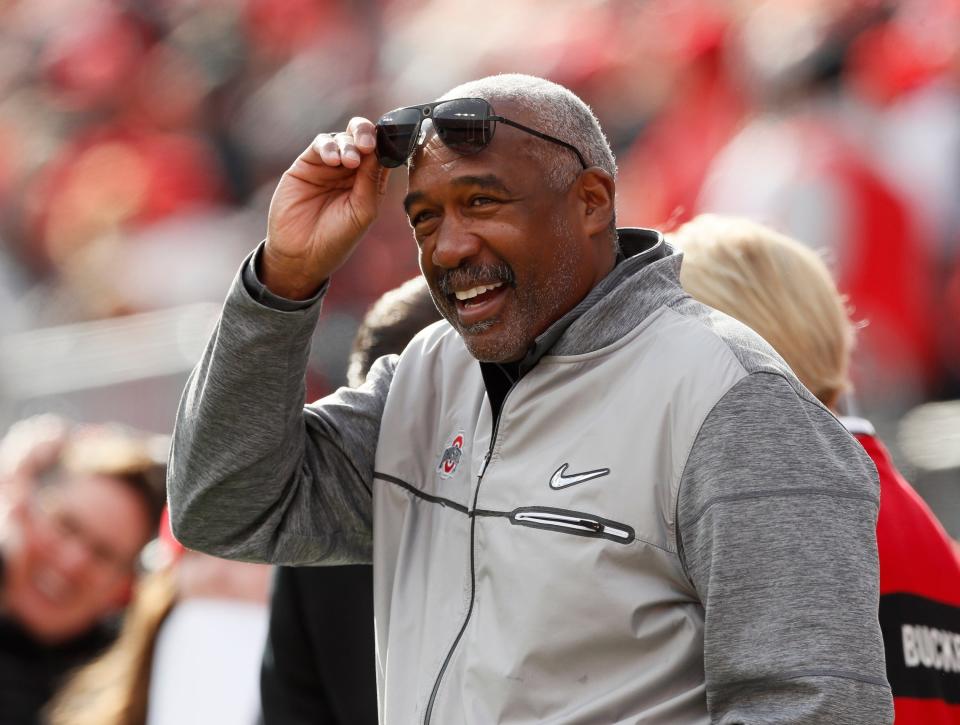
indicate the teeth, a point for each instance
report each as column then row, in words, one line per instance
column 469, row 294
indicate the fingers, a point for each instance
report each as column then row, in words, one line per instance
column 345, row 148
column 333, row 149
column 364, row 133
column 349, row 153
column 323, row 150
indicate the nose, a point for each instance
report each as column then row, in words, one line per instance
column 74, row 556
column 454, row 245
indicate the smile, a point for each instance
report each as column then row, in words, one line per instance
column 479, row 303
column 469, row 294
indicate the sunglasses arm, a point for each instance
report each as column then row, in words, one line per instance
column 544, row 136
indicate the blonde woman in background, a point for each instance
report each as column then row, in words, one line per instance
column 783, row 290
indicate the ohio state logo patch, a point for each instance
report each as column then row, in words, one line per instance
column 450, row 458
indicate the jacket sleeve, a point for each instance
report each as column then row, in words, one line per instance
column 253, row 473
column 776, row 513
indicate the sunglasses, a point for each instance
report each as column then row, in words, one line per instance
column 464, row 125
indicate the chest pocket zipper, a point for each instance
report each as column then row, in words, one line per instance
column 572, row 522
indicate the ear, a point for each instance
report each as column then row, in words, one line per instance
column 596, row 190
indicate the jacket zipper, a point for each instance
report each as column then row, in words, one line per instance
column 473, row 576
column 573, row 522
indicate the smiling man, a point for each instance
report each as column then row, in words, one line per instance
column 587, row 498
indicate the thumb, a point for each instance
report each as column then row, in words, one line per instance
column 370, row 184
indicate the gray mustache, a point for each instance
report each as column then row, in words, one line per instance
column 474, row 276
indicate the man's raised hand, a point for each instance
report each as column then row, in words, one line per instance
column 322, row 206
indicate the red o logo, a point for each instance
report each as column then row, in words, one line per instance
column 451, row 456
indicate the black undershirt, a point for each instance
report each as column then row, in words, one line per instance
column 498, row 378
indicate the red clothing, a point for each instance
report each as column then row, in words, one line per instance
column 919, row 599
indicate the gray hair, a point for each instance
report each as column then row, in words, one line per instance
column 554, row 110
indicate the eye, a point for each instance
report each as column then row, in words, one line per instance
column 420, row 217
column 482, row 201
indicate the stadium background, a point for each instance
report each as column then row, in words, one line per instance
column 140, row 141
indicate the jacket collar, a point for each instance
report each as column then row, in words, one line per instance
column 639, row 249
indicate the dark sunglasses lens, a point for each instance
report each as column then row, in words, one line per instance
column 464, row 125
column 395, row 135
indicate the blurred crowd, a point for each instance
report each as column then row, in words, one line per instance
column 180, row 633
column 140, row 141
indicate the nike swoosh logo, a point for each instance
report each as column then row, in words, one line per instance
column 558, row 480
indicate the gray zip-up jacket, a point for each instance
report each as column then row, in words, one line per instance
column 661, row 526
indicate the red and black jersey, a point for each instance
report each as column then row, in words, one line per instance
column 919, row 597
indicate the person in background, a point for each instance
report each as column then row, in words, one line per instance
column 113, row 689
column 574, row 504
column 206, row 657
column 319, row 666
column 188, row 651
column 783, row 290
column 79, row 506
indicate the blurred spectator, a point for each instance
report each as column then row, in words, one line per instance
column 188, row 651
column 902, row 73
column 783, row 290
column 701, row 109
column 79, row 504
column 799, row 164
column 319, row 665
column 114, row 687
column 207, row 653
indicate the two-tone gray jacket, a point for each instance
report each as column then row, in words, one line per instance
column 660, row 526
